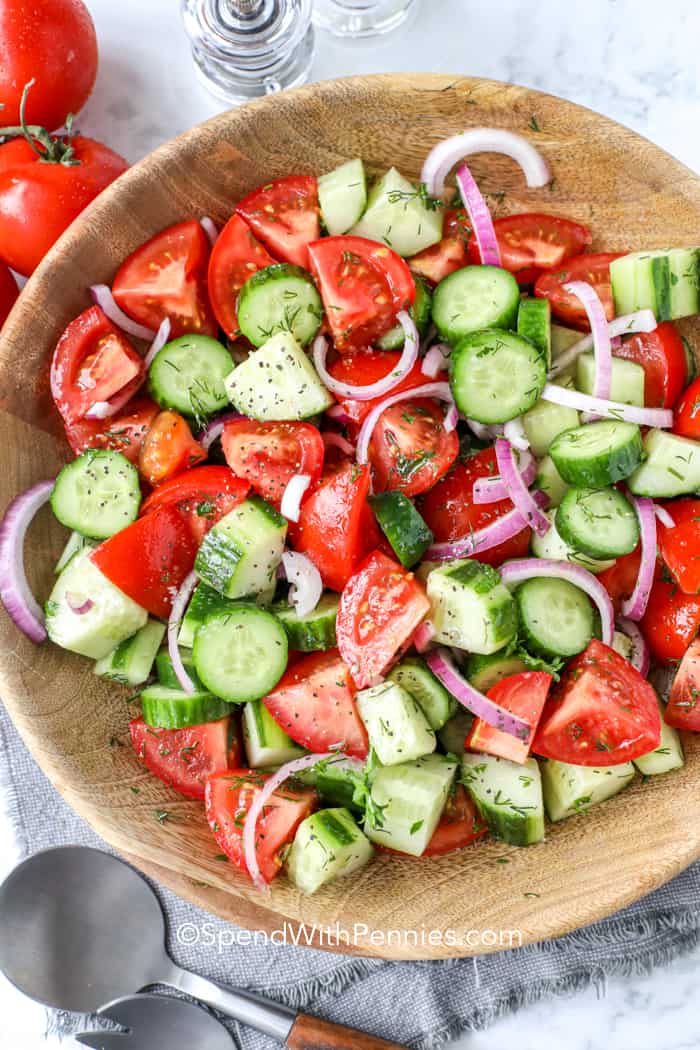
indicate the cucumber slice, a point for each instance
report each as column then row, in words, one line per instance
column 508, row 796
column 239, row 556
column 599, row 522
column 569, row 790
column 342, row 196
column 551, row 545
column 165, row 708
column 408, row 801
column 312, row 632
column 495, row 375
column 398, row 730
column 279, row 298
column 665, row 281
column 75, row 543
column 473, row 299
column 535, row 325
column 400, row 216
column 203, row 601
column 166, row 672
column 470, row 607
column 266, row 743
column 240, row 654
column 454, row 733
column 545, row 421
column 97, row 494
column 188, row 376
column 111, row 618
column 413, row 675
column 550, row 481
column 420, row 311
column 486, row 671
column 671, row 467
column 337, row 781
column 597, row 455
column 328, row 845
column 132, row 660
column 562, row 340
column 667, row 756
column 556, row 617
column 627, row 384
column 402, row 525
column 278, row 381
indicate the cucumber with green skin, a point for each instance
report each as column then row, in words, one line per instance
column 402, row 525
column 569, row 790
column 266, row 743
column 407, row 802
column 666, row 281
column 131, row 661
column 278, row 382
column 328, row 845
column 399, row 215
column 470, row 607
column 665, row 758
column 279, row 298
column 165, row 708
column 598, row 454
column 313, row 632
column 420, row 312
column 97, row 494
column 486, row 671
column 545, row 421
column 398, row 730
column 203, row 601
column 553, row 546
column 239, row 556
column 188, row 375
column 601, row 523
column 535, row 324
column 240, row 654
column 342, row 196
column 75, row 543
column 627, row 379
column 475, row 299
column 556, row 618
column 166, row 672
column 550, row 481
column 495, row 375
column 671, row 467
column 436, row 703
column 508, row 796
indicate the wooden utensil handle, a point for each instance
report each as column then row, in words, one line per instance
column 311, row 1033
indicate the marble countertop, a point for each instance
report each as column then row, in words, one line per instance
column 616, row 56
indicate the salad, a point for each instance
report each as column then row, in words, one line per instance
column 384, row 508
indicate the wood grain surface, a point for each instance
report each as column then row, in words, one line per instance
column 633, row 195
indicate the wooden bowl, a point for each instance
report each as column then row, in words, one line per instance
column 632, row 195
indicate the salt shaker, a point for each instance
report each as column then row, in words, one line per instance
column 360, row 18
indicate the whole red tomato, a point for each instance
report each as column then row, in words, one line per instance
column 54, row 41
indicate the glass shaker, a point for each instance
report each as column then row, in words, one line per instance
column 361, row 18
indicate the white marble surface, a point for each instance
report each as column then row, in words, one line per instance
column 632, row 60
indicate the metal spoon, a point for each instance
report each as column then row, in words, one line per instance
column 156, row 1022
column 80, row 929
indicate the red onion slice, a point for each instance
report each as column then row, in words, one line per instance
column 102, row 296
column 290, row 507
column 644, row 417
column 485, row 431
column 628, row 324
column 475, row 543
column 602, row 349
column 443, row 157
column 440, row 663
column 338, row 413
column 640, row 658
column 514, row 432
column 409, row 356
column 423, row 635
column 215, row 428
column 525, row 568
column 162, row 336
column 436, row 360
column 174, row 620
column 15, row 593
column 518, row 492
column 78, row 605
column 635, row 606
column 439, row 390
column 258, row 804
column 479, row 216
column 210, row 228
column 333, row 440
column 492, row 489
column 451, row 418
column 306, row 583
column 664, row 517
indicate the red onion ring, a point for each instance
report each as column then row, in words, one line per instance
column 333, row 440
column 664, row 517
column 102, row 297
column 628, row 324
column 210, row 228
column 338, row 413
column 602, row 349
column 306, row 583
column 290, row 507
column 644, row 417
column 486, row 538
column 77, row 605
column 174, row 620
column 451, row 418
column 640, row 659
column 518, row 492
column 635, row 606
column 15, row 593
column 439, row 390
column 449, row 152
column 440, row 663
column 409, row 356
column 436, row 360
column 423, row 635
column 492, row 489
column 480, row 217
column 215, row 428
column 514, row 432
column 162, row 336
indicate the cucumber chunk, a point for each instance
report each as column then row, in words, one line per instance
column 544, row 422
column 337, row 781
column 598, row 454
column 569, row 790
column 111, row 618
column 166, row 672
column 398, row 730
column 508, row 796
column 278, row 381
column 627, row 382
column 535, row 325
column 495, row 375
column 551, row 545
column 454, row 732
column 562, row 340
column 599, row 522
column 413, row 675
column 556, row 617
column 239, row 556
column 328, row 845
column 409, row 800
column 420, row 311
column 342, row 196
column 470, row 607
column 240, row 654
column 203, row 601
column 279, row 298
column 667, row 756
column 486, row 671
column 671, row 467
column 165, row 708
column 131, row 661
column 188, row 376
column 312, row 632
column 398, row 215
column 550, row 481
column 665, row 281
column 266, row 743
column 403, row 526
column 473, row 299
column 97, row 494
column 75, row 543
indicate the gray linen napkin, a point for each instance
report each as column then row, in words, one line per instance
column 422, row 1004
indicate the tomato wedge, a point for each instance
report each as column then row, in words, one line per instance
column 315, row 705
column 523, row 694
column 683, row 708
column 149, row 559
column 336, row 526
column 201, row 496
column 285, row 216
column 268, row 455
column 662, row 356
column 93, row 363
column 533, row 242
column 449, row 254
column 680, row 546
column 460, row 826
column 228, row 798
column 620, row 579
column 601, row 713
column 451, row 513
column 235, row 257
column 167, row 277
column 686, row 418
column 671, row 621
column 184, row 758
column 410, row 449
column 592, row 268
column 168, row 448
column 380, row 608
column 363, row 285
column 367, row 366
column 124, row 432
